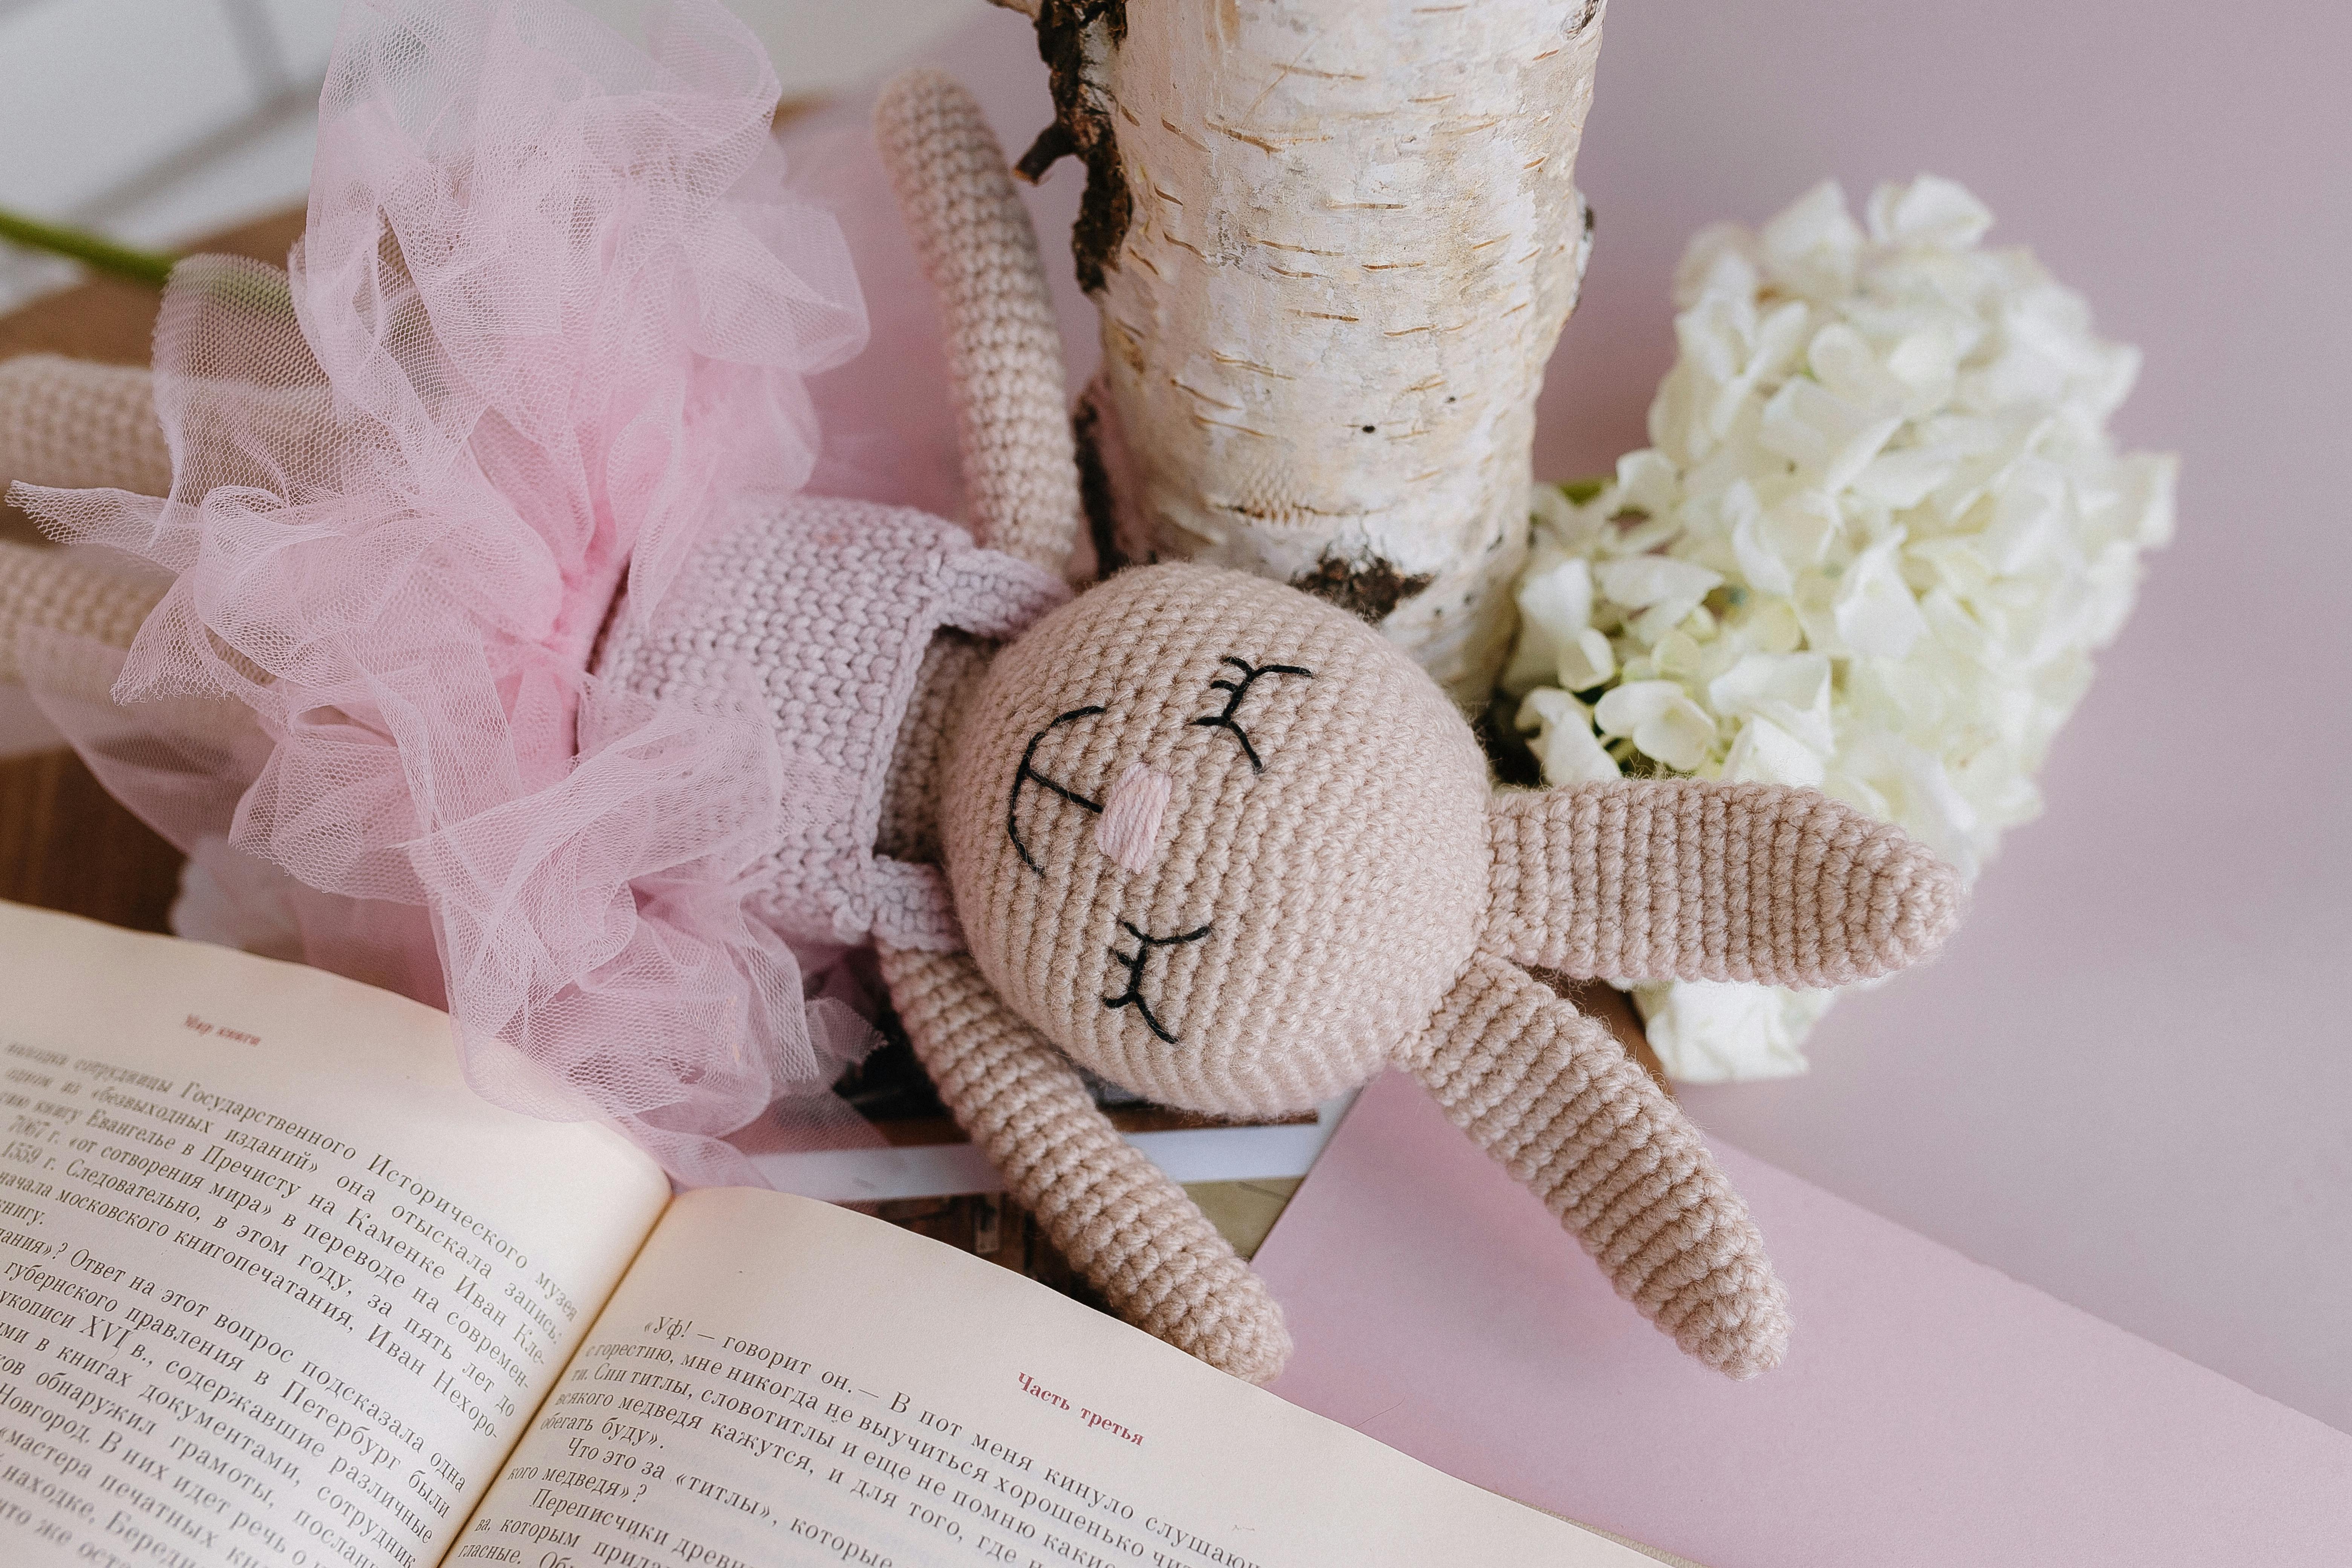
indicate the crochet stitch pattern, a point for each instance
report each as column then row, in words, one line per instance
column 1119, row 1221
column 76, row 425
column 1710, row 882
column 1551, row 1095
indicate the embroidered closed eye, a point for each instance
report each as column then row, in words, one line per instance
column 1235, row 690
column 1027, row 773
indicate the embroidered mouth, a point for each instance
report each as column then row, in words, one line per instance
column 1135, row 962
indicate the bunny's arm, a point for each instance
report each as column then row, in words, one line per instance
column 1132, row 1232
column 1551, row 1095
column 74, row 425
column 1686, row 880
column 1004, row 350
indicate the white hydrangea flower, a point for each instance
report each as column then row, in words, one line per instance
column 1878, row 531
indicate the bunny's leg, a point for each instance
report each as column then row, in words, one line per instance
column 74, row 425
column 75, row 593
column 1553, row 1096
column 1132, row 1232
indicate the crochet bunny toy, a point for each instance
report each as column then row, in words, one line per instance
column 1199, row 833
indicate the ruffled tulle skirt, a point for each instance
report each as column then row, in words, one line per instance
column 546, row 336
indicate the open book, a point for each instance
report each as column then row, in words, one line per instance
column 278, row 1290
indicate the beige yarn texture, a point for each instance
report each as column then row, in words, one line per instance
column 74, row 592
column 1004, row 352
column 65, row 422
column 1550, row 1094
column 75, row 426
column 817, row 617
column 1119, row 1220
column 1132, row 1232
column 1304, row 912
column 68, row 423
column 1700, row 881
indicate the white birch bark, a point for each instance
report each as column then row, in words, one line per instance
column 1333, row 243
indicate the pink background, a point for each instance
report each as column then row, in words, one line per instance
column 2127, row 1081
column 1931, row 1412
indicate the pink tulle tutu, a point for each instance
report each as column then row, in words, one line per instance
column 544, row 337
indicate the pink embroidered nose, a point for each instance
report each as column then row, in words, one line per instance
column 1129, row 829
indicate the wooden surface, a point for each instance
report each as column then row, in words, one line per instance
column 66, row 845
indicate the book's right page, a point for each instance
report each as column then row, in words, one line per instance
column 779, row 1381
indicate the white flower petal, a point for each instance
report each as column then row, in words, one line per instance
column 1849, row 369
column 1624, row 708
column 1648, row 483
column 1930, row 210
column 1813, row 246
column 1661, row 719
column 1708, row 1031
column 1564, row 745
column 1763, row 753
column 1829, row 439
column 1904, row 479
column 1754, row 549
column 1587, row 661
column 1792, row 689
column 1719, row 262
column 1876, row 612
column 1552, row 510
column 1644, row 581
column 1555, row 601
column 2150, row 481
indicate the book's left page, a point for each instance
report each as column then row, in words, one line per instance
column 276, row 1287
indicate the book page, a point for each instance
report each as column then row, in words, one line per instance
column 276, row 1289
column 778, row 1381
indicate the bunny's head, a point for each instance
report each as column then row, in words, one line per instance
column 1218, row 840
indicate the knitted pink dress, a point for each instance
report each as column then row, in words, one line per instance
column 534, row 380
column 826, row 613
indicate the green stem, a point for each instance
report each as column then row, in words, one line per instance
column 148, row 267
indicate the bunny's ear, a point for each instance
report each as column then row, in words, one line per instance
column 1680, row 879
column 1004, row 353
column 1553, row 1096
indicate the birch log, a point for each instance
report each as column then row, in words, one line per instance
column 1332, row 243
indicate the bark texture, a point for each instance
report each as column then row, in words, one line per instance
column 1333, row 243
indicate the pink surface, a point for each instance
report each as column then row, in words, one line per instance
column 1931, row 1411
